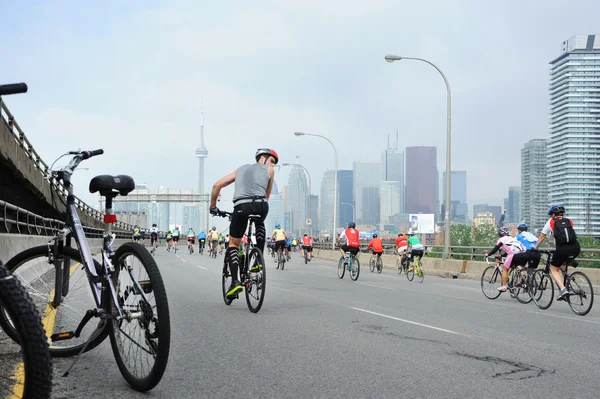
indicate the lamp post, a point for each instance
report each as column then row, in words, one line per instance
column 335, row 187
column 392, row 58
column 309, row 185
column 353, row 210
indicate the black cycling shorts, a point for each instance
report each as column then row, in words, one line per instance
column 416, row 252
column 239, row 219
column 175, row 238
column 376, row 253
column 307, row 248
column 564, row 253
column 352, row 250
column 279, row 244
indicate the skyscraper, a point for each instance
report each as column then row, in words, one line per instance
column 191, row 218
column 327, row 198
column 513, row 208
column 276, row 212
column 314, row 214
column 573, row 156
column 298, row 199
column 392, row 169
column 458, row 195
column 421, row 182
column 345, row 195
column 534, row 187
column 366, row 192
column 390, row 203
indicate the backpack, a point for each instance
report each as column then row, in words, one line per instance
column 563, row 231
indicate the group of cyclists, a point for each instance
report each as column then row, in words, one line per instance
column 280, row 240
column 522, row 250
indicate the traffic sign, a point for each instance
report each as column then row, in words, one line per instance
column 308, row 222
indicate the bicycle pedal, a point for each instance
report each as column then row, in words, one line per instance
column 62, row 336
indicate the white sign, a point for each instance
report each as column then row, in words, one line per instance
column 421, row 223
column 308, row 222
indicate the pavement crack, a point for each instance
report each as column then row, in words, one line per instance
column 515, row 371
column 379, row 330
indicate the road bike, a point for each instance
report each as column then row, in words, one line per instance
column 375, row 263
column 402, row 264
column 280, row 259
column 31, row 378
column 201, row 242
column 252, row 270
column 416, row 270
column 123, row 297
column 191, row 246
column 351, row 263
column 580, row 296
column 518, row 285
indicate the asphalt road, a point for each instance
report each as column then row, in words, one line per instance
column 382, row 336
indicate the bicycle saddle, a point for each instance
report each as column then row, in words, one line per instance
column 111, row 186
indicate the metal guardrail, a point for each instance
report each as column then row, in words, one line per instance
column 461, row 252
column 44, row 169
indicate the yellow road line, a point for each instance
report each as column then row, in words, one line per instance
column 48, row 321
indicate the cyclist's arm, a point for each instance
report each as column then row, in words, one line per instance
column 495, row 249
column 539, row 241
column 271, row 171
column 223, row 182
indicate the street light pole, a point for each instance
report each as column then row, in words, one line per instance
column 335, row 187
column 353, row 210
column 309, row 186
column 392, row 58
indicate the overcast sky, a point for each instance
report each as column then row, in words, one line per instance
column 131, row 78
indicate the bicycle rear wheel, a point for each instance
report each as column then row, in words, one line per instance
column 420, row 272
column 141, row 345
column 256, row 280
column 372, row 265
column 489, row 282
column 523, row 279
column 542, row 289
column 355, row 269
column 379, row 265
column 32, row 376
column 583, row 298
column 341, row 268
column 38, row 277
column 399, row 266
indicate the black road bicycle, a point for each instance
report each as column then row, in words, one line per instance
column 122, row 296
column 31, row 378
column 253, row 273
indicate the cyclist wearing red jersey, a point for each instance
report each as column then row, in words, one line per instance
column 352, row 243
column 307, row 246
column 376, row 245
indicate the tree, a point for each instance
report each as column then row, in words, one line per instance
column 460, row 235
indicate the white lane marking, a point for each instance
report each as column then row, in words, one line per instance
column 564, row 317
column 378, row 286
column 183, row 260
column 202, row 267
column 408, row 321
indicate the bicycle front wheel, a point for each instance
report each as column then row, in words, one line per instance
column 582, row 299
column 355, row 269
column 141, row 342
column 256, row 280
column 399, row 266
column 38, row 277
column 490, row 283
column 542, row 289
column 32, row 377
column 379, row 265
column 420, row 272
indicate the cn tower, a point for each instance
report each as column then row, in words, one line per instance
column 201, row 153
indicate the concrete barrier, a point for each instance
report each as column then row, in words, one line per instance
column 12, row 244
column 448, row 268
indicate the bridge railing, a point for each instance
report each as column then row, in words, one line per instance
column 43, row 168
column 589, row 257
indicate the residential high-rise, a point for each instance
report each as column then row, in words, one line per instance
column 327, row 198
column 366, row 192
column 421, row 181
column 513, row 206
column 345, row 195
column 191, row 218
column 534, row 187
column 495, row 210
column 574, row 140
column 392, row 169
column 298, row 199
column 276, row 213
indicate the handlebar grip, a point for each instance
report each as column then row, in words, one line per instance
column 13, row 88
column 89, row 154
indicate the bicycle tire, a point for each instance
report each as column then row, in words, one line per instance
column 582, row 290
column 512, row 279
column 256, row 280
column 341, row 268
column 524, row 291
column 60, row 348
column 371, row 265
column 379, row 265
column 399, row 266
column 306, row 258
column 36, row 360
column 355, row 269
column 489, row 279
column 421, row 272
column 159, row 340
column 278, row 260
column 542, row 287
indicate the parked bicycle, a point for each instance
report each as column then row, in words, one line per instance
column 351, row 263
column 32, row 377
column 580, row 296
column 253, row 273
column 125, row 294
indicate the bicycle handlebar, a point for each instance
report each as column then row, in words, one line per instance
column 13, row 88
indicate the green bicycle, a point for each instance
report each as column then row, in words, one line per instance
column 416, row 270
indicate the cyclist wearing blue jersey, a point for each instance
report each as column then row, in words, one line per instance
column 528, row 240
column 201, row 241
